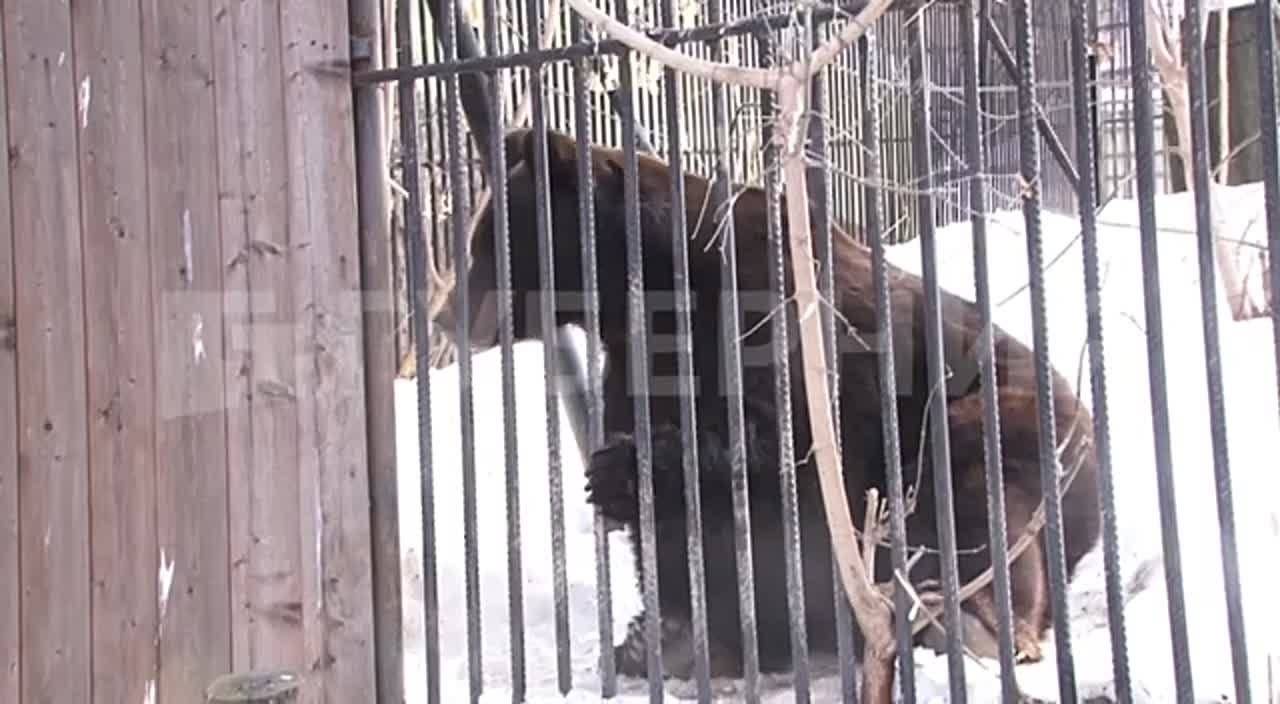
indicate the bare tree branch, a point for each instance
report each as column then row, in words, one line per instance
column 871, row 612
column 764, row 79
column 858, row 25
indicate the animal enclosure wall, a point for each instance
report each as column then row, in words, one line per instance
column 183, row 465
column 522, row 578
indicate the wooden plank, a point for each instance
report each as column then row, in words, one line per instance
column 119, row 340
column 263, row 414
column 10, row 624
column 53, row 489
column 233, row 208
column 318, row 103
column 186, row 271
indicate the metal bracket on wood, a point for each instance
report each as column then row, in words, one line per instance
column 1045, row 129
column 361, row 49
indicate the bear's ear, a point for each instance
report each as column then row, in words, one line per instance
column 562, row 152
column 519, row 147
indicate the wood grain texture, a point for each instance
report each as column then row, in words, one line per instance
column 237, row 320
column 10, row 623
column 186, row 271
column 338, row 606
column 119, row 340
column 264, row 423
column 52, row 475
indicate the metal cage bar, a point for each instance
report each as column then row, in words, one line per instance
column 687, row 392
column 458, row 179
column 551, row 350
column 936, row 411
column 885, row 367
column 778, row 250
column 1206, row 243
column 730, row 334
column 638, row 361
column 996, row 523
column 1050, row 474
column 1087, row 207
column 417, row 266
column 1144, row 139
column 506, row 340
column 595, row 410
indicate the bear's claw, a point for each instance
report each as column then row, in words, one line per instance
column 611, row 479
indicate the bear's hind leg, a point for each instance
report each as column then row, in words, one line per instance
column 1028, row 582
column 631, row 657
column 1030, row 587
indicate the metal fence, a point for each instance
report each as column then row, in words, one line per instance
column 940, row 30
column 718, row 448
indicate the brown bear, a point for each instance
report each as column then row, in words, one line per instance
column 612, row 471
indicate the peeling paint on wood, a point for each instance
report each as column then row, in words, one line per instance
column 86, row 95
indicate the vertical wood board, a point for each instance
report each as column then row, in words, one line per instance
column 335, row 500
column 119, row 339
column 263, row 407
column 52, row 476
column 187, row 263
column 10, row 623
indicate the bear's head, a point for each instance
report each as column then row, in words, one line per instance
column 564, row 195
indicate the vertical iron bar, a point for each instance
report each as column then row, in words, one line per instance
column 474, row 89
column 506, row 339
column 417, row 266
column 902, row 601
column 380, row 338
column 458, row 220
column 623, row 109
column 684, row 362
column 780, row 307
column 1087, row 194
column 1197, row 90
column 937, row 411
column 637, row 321
column 820, row 194
column 1270, row 150
column 591, row 292
column 1145, row 148
column 1030, row 174
column 550, row 351
column 730, row 336
column 996, row 524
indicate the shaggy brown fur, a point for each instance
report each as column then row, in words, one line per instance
column 612, row 483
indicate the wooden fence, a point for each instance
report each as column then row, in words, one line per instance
column 183, row 449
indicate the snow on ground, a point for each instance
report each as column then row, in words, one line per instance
column 1248, row 361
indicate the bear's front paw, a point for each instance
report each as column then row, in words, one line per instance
column 611, row 479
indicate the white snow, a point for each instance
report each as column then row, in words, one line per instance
column 1253, row 423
